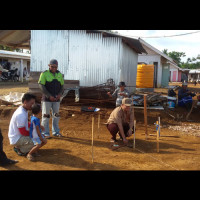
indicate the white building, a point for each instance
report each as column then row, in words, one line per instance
column 163, row 64
column 17, row 60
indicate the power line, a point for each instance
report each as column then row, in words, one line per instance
column 171, row 35
column 163, row 35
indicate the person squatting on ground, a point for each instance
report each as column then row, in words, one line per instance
column 36, row 132
column 51, row 83
column 3, row 158
column 185, row 97
column 120, row 93
column 121, row 120
column 18, row 132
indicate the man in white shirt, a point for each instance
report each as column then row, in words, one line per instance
column 18, row 133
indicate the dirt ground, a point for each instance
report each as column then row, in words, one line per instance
column 179, row 144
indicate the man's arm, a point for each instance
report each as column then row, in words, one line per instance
column 114, row 95
column 44, row 90
column 23, row 131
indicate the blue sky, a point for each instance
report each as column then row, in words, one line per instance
column 189, row 44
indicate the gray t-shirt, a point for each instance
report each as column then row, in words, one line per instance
column 119, row 97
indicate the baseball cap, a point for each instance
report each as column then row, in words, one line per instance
column 126, row 101
column 53, row 62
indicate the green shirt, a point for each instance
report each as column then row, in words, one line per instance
column 52, row 82
column 47, row 76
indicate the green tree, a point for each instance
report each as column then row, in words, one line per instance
column 191, row 63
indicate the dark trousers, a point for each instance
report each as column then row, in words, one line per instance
column 3, row 156
column 114, row 129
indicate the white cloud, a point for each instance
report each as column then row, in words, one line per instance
column 190, row 44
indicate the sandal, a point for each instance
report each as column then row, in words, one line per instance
column 30, row 157
column 57, row 135
column 19, row 152
column 46, row 136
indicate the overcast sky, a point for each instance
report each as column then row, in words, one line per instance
column 189, row 44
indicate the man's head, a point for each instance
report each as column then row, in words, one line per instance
column 126, row 104
column 53, row 65
column 28, row 100
column 122, row 85
column 184, row 85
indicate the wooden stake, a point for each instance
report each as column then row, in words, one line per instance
column 92, row 138
column 157, row 127
column 134, row 134
column 145, row 115
column 98, row 124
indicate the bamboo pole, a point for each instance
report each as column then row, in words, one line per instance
column 134, row 134
column 92, row 138
column 98, row 125
column 157, row 128
column 145, row 115
column 159, row 125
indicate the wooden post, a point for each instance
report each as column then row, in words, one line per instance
column 134, row 134
column 145, row 115
column 98, row 125
column 157, row 127
column 21, row 71
column 92, row 138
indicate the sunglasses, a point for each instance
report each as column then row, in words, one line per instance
column 55, row 67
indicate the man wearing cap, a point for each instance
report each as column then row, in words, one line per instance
column 185, row 96
column 51, row 83
column 121, row 120
column 120, row 93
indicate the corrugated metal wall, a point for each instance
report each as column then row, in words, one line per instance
column 87, row 57
column 129, row 67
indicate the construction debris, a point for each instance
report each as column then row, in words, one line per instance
column 189, row 129
column 153, row 99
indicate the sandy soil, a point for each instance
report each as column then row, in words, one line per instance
column 178, row 150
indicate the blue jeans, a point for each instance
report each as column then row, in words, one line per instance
column 185, row 101
column 46, row 108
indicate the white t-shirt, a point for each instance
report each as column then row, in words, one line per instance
column 18, row 120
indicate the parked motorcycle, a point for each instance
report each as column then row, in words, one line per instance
column 10, row 75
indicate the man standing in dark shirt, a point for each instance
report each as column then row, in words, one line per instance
column 185, row 96
column 3, row 158
column 51, row 83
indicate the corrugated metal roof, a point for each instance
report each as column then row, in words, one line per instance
column 131, row 42
column 15, row 38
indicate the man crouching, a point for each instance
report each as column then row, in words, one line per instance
column 121, row 120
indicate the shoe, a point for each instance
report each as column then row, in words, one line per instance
column 8, row 162
column 46, row 136
column 57, row 135
column 19, row 152
column 113, row 140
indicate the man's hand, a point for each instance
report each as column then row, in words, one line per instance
column 130, row 132
column 58, row 97
column 125, row 141
column 52, row 98
column 108, row 93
